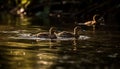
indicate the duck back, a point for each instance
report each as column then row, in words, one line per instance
column 65, row 34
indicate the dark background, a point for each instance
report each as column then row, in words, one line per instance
column 70, row 11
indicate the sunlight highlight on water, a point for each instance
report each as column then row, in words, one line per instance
column 92, row 50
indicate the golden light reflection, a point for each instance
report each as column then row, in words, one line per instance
column 18, row 58
column 20, row 11
column 47, row 59
column 15, row 55
column 17, row 52
column 75, row 44
column 49, row 56
column 16, row 44
column 49, row 43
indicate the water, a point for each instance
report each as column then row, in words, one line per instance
column 19, row 51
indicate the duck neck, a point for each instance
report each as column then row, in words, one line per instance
column 51, row 31
column 94, row 18
column 52, row 34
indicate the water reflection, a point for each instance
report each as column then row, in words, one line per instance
column 15, row 58
column 13, row 21
column 100, row 51
column 54, row 54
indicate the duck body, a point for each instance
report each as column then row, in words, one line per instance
column 43, row 35
column 47, row 35
column 90, row 23
column 65, row 34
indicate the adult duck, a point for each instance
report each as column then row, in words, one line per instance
column 48, row 35
column 66, row 34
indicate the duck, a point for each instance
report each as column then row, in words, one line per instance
column 50, row 34
column 91, row 22
column 67, row 34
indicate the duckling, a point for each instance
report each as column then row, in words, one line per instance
column 90, row 23
column 66, row 34
column 50, row 34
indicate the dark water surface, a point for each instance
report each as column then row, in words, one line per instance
column 100, row 51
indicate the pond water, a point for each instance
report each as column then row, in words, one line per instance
column 100, row 50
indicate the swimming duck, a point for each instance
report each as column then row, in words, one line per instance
column 90, row 23
column 66, row 34
column 50, row 34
